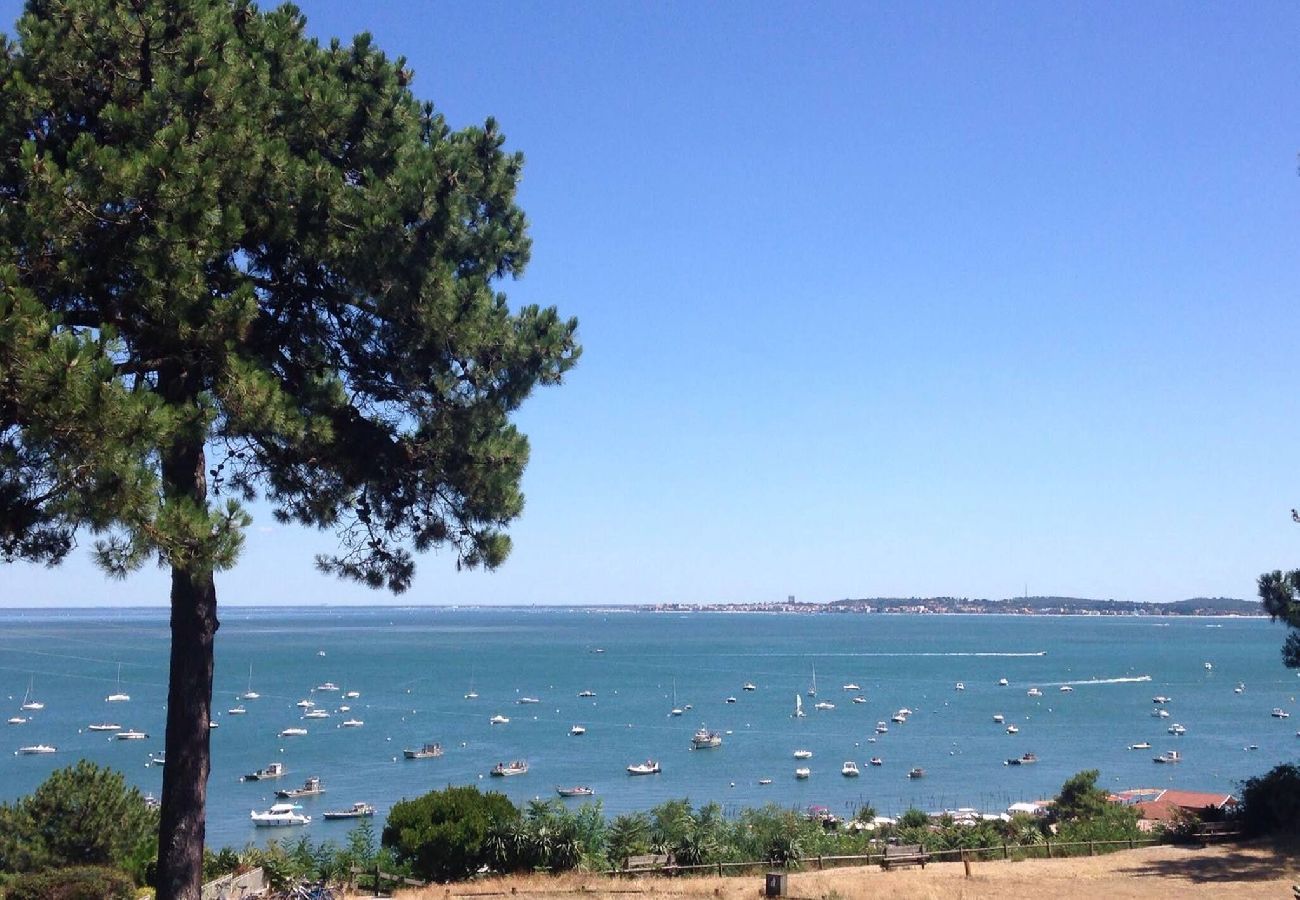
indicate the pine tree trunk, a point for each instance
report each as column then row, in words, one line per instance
column 189, row 700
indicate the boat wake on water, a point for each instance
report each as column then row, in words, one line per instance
column 1134, row 679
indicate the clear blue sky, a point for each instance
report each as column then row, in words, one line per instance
column 876, row 299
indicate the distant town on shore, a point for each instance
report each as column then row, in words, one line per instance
column 1017, row 606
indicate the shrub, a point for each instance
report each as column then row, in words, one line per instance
column 76, row 883
column 443, row 835
column 1270, row 803
column 913, row 818
column 80, row 816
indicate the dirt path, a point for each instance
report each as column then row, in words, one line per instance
column 1164, row 871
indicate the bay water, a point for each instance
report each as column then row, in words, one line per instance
column 413, row 667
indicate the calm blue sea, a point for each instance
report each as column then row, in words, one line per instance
column 414, row 666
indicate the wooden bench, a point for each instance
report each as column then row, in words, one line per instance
column 649, row 862
column 1217, row 831
column 904, row 855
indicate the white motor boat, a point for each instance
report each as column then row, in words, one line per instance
column 749, row 686
column 705, row 739
column 731, row 700
column 104, row 726
column 428, row 751
column 859, row 699
column 1002, row 682
column 358, row 811
column 310, row 788
column 899, row 718
column 131, row 735
column 852, row 687
column 1140, row 745
column 273, row 770
column 1169, row 756
column 849, row 769
column 353, row 695
column 1158, row 713
column 998, row 718
column 803, row 772
column 17, row 720
column 316, row 714
column 1161, row 699
column 1012, row 729
column 327, row 686
column 305, row 704
column 236, row 711
column 961, row 686
column 157, row 759
column 504, row 770
column 499, row 720
column 803, row 754
column 37, row 748
column 823, row 704
column 575, row 791
column 649, row 767
column 352, row 723
column 279, row 814
column 1280, row 713
column 1177, row 729
column 293, row 732
column 1034, row 692
column 528, row 700
column 586, row 694
column 578, row 730
column 1066, row 689
column 882, row 728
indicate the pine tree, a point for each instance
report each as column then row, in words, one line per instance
column 236, row 263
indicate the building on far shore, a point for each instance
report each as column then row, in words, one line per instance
column 1160, row 806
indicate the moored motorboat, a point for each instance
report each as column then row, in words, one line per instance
column 279, row 814
column 310, row 788
column 19, row 720
column 1161, row 699
column 1177, row 729
column 236, row 711
column 1159, row 713
column 876, row 761
column 586, row 693
column 731, row 699
column 35, row 749
column 316, row 714
column 849, row 769
column 428, row 751
column 649, row 767
column 1025, row 760
column 1280, row 713
column 881, row 728
column 1034, row 692
column 1012, row 729
column 1140, row 745
column 916, row 772
column 1067, row 689
column 705, row 739
column 961, row 686
column 272, row 770
column 293, row 732
column 499, row 720
column 327, row 686
column 749, row 686
column 1002, row 682
column 999, row 718
column 1168, row 757
column 859, row 699
column 352, row 723
column 358, row 811
column 852, row 687
column 157, row 759
column 579, row 790
column 802, row 773
column 131, row 735
column 823, row 704
column 504, row 770
column 578, row 730
column 528, row 701
column 104, row 726
column 803, row 754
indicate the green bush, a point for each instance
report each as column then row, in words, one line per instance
column 80, row 816
column 443, row 835
column 1270, row 803
column 76, row 883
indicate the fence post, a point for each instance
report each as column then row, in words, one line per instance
column 1092, row 848
column 965, row 861
column 819, row 862
column 1048, row 841
column 1130, row 842
column 377, row 892
column 1004, row 850
column 719, row 870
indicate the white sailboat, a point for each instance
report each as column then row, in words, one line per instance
column 798, row 707
column 676, row 710
column 471, row 694
column 250, row 694
column 117, row 696
column 30, row 702
column 812, row 691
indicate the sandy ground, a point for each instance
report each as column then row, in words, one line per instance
column 1162, row 871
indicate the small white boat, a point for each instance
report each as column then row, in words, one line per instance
column 305, row 704
column 344, row 708
column 1169, row 756
column 898, row 718
column 852, row 687
column 353, row 723
column 1240, row 688
column 279, row 814
column 649, row 767
column 327, row 686
column 579, row 790
column 104, row 726
column 118, row 696
column 916, row 772
column 1066, row 689
column 1011, row 729
column 293, row 732
column 1280, row 713
column 1027, row 759
column 236, row 711
column 1209, row 666
column 428, row 751
column 19, row 720
column 528, row 700
column 1161, row 699
column 273, row 770
column 586, row 693
column 1002, row 682
column 1140, row 745
column 803, row 754
column 803, row 772
column 764, row 781
column 471, row 695
column 876, row 761
column 731, row 699
column 310, row 788
column 358, row 811
column 131, row 735
column 353, row 695
column 859, row 699
column 30, row 702
column 578, row 730
column 961, row 686
column 798, row 707
column 849, row 769
column 37, row 748
column 157, row 759
column 749, row 686
column 881, row 728
column 1034, row 692
column 250, row 694
column 706, row 740
column 1177, row 729
column 1159, row 713
column 316, row 714
column 999, row 718
column 822, row 704
column 499, row 720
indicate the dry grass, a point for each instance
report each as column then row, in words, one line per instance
column 1235, row 871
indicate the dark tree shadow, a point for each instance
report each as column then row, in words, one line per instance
column 1245, row 861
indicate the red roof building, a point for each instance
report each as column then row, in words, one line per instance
column 1159, row 805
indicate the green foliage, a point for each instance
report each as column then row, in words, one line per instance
column 913, row 818
column 628, row 835
column 82, row 815
column 1080, row 798
column 73, row 883
column 1270, row 803
column 443, row 835
column 1280, row 595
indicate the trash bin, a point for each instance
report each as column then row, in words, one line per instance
column 776, row 883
